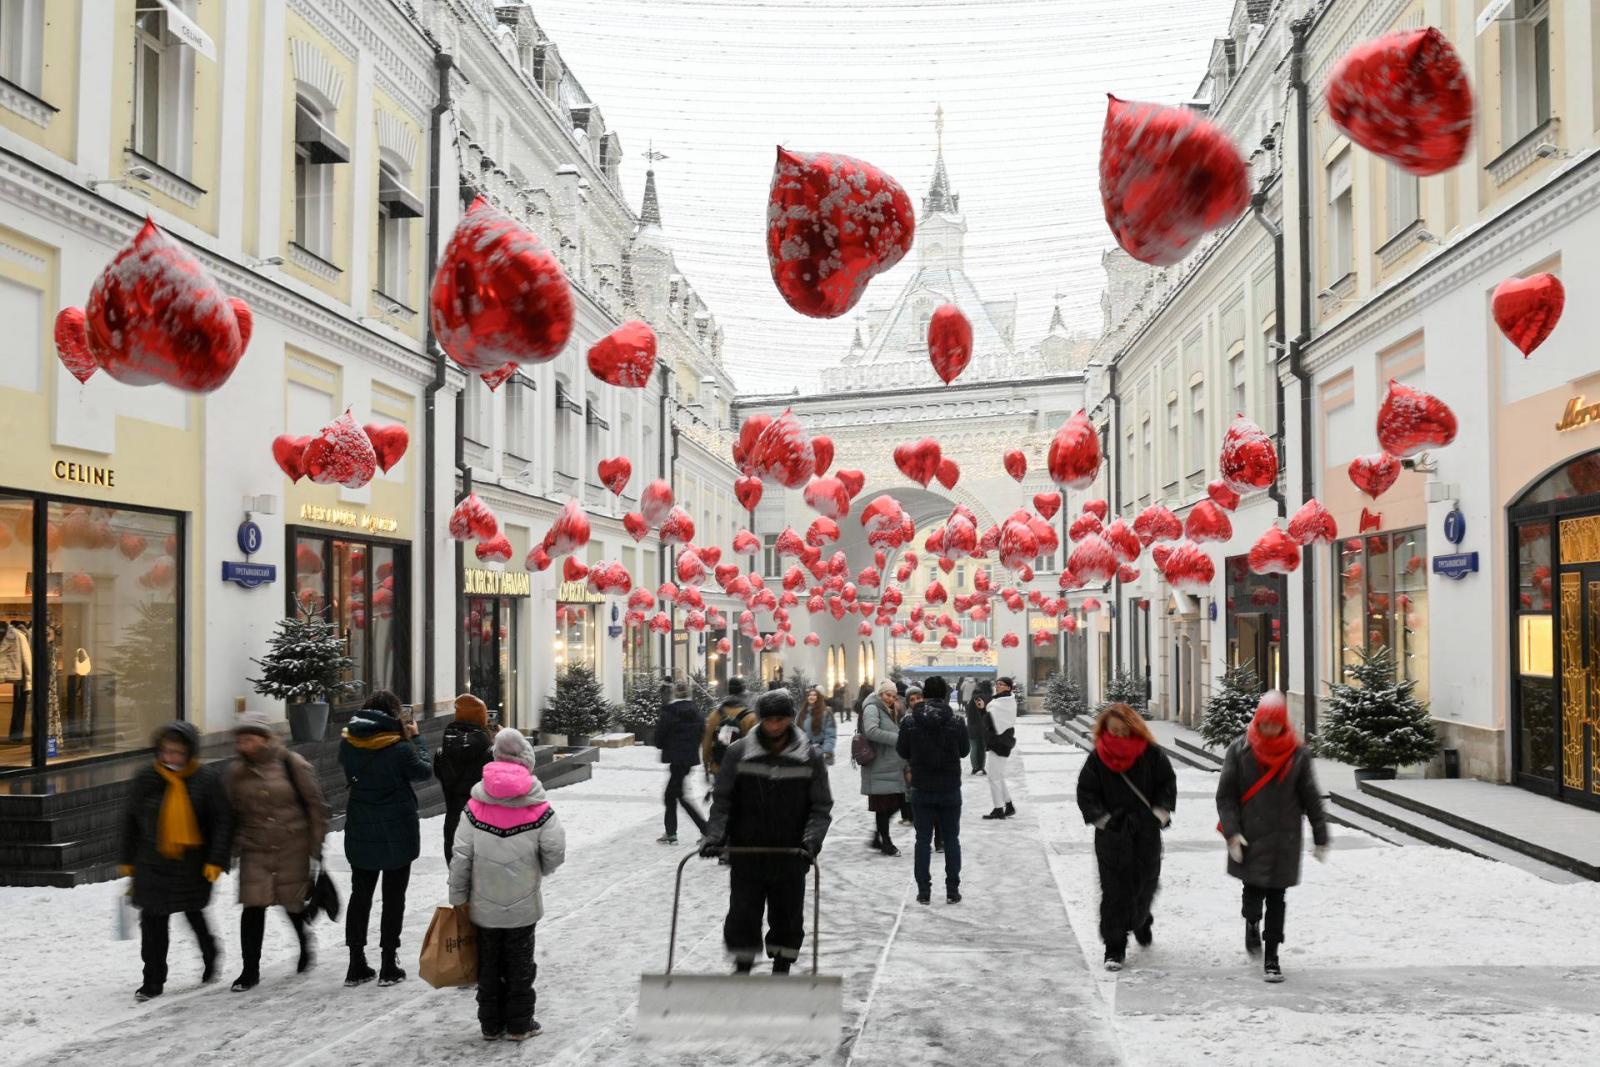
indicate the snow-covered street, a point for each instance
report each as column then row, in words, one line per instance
column 1393, row 955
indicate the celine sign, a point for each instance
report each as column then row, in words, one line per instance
column 476, row 581
column 354, row 520
column 1578, row 414
column 84, row 474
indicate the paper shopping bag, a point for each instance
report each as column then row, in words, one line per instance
column 125, row 919
column 450, row 950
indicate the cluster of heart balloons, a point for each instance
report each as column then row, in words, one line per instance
column 343, row 453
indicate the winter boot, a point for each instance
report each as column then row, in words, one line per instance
column 146, row 992
column 210, row 962
column 924, row 896
column 248, row 978
column 997, row 813
column 1114, row 957
column 781, row 964
column 887, row 847
column 1011, row 809
column 308, row 950
column 359, row 971
column 389, row 972
column 952, row 896
column 533, row 1030
column 667, row 839
column 1145, row 934
column 743, row 966
column 1269, row 968
column 1252, row 938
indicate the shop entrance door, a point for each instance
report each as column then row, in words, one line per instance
column 1578, row 725
column 491, row 668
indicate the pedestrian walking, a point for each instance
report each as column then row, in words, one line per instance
column 933, row 742
column 176, row 834
column 463, row 752
column 911, row 698
column 969, row 687
column 1268, row 786
column 840, row 701
column 883, row 780
column 508, row 843
column 1000, row 734
column 728, row 722
column 678, row 735
column 861, row 698
column 1127, row 791
column 381, row 757
column 977, row 726
column 772, row 792
column 279, row 821
column 817, row 723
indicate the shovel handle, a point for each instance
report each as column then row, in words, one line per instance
column 816, row 895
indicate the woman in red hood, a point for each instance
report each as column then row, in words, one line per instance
column 1126, row 791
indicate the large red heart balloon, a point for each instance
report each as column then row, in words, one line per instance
column 1084, row 525
column 289, row 452
column 1167, row 178
column 822, row 451
column 744, row 446
column 1405, row 97
column 1207, row 522
column 852, row 481
column 783, row 453
column 1157, row 523
column 569, row 532
column 833, row 223
column 626, row 356
column 1249, row 460
column 949, row 342
column 677, row 528
column 655, row 501
column 1123, row 540
column 1094, row 560
column 494, row 379
column 1074, row 456
column 537, row 559
column 948, row 473
column 828, row 497
column 1224, row 497
column 498, row 295
column 1374, row 474
column 155, row 315
column 634, row 523
column 614, row 473
column 495, row 550
column 1016, row 463
column 341, row 454
column 471, row 520
column 822, row 531
column 1527, row 309
column 1274, row 553
column 1410, row 421
column 388, row 443
column 748, row 491
column 1047, row 504
column 1189, row 569
column 918, row 461
column 1313, row 524
column 746, row 543
column 1097, row 508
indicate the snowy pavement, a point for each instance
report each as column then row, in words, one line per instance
column 1396, row 955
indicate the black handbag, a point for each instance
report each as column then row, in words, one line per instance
column 324, row 895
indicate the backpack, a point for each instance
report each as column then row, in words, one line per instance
column 729, row 730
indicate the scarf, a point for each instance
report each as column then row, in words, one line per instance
column 177, row 830
column 1274, row 755
column 374, row 742
column 1119, row 753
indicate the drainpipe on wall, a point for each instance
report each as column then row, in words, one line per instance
column 442, row 64
column 668, row 472
column 465, row 473
column 1258, row 204
column 1116, row 498
column 1301, row 30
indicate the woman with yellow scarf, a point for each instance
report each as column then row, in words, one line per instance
column 175, row 841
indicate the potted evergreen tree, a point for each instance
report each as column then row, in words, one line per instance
column 577, row 711
column 304, row 666
column 1062, row 699
column 641, row 706
column 1125, row 687
column 1377, row 724
column 1231, row 707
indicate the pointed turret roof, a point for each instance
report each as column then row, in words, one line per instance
column 940, row 200
column 650, row 211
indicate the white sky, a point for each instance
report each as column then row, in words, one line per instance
column 716, row 84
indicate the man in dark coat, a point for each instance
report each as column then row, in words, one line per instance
column 679, row 733
column 463, row 753
column 976, row 710
column 176, row 837
column 933, row 741
column 728, row 722
column 772, row 792
column 381, row 757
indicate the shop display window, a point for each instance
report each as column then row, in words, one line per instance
column 575, row 636
column 1382, row 583
column 1535, row 679
column 362, row 587
column 1255, row 611
column 491, row 631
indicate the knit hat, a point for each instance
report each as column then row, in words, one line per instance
column 470, row 709
column 254, row 722
column 936, row 688
column 735, row 686
column 511, row 747
column 775, row 704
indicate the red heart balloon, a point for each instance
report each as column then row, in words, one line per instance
column 1047, row 504
column 1374, row 474
column 1527, row 309
column 131, row 545
column 1016, row 463
column 634, row 523
column 1074, row 457
column 1405, row 97
column 1189, row 569
column 614, row 473
column 748, row 491
column 1208, row 522
column 1167, row 178
column 852, row 482
column 949, row 342
column 1009, row 640
column 1410, row 421
column 537, row 559
column 746, row 543
column 1084, row 525
column 948, row 473
column 783, row 453
column 822, row 531
column 655, row 501
column 498, row 295
column 1123, row 541
column 569, row 532
column 822, row 450
column 1160, row 554
column 833, row 223
column 626, row 356
column 1094, row 560
column 72, row 344
column 495, row 550
column 1274, row 553
column 573, row 570
column 341, row 454
column 1157, row 523
column 691, row 570
column 744, row 445
column 828, row 497
column 494, row 379
column 471, row 520
column 677, row 528
column 1224, row 497
column 1313, row 524
column 711, row 554
column 1017, row 545
column 289, row 452
column 1097, row 508
column 388, row 443
column 1249, row 459
column 918, row 461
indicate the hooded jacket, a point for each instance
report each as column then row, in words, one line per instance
column 380, row 830
column 886, row 774
column 162, row 885
column 933, row 742
column 279, row 822
column 824, row 739
column 680, row 732
column 508, row 841
column 1271, row 822
column 778, row 799
column 463, row 753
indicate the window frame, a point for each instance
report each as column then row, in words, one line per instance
column 1525, row 84
column 313, row 191
column 170, row 146
column 22, row 44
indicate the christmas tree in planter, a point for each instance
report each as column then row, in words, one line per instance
column 700, row 692
column 1125, row 687
column 1377, row 724
column 797, row 683
column 1231, row 708
column 642, row 702
column 1062, row 699
column 578, row 708
column 305, row 664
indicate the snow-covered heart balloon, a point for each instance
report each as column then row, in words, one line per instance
column 711, row 554
column 569, row 532
column 918, row 460
column 1527, row 309
column 833, row 223
column 636, row 525
column 1123, row 540
column 1223, row 496
column 852, row 481
column 155, row 315
column 1157, row 523
column 1313, row 524
column 1374, row 474
column 626, row 356
column 948, row 473
column 289, row 452
column 1410, row 421
column 828, row 497
column 1208, row 522
column 1127, row 573
column 389, row 443
column 1097, row 508
column 744, row 446
column 495, row 550
column 822, row 452
column 677, row 528
column 1405, row 97
column 1249, row 459
column 1093, row 560
column 471, row 520
column 1016, row 463
column 822, row 531
column 1084, row 525
column 949, row 342
column 1274, row 553
column 341, row 454
column 1189, row 569
column 690, row 567
column 494, row 379
column 1009, row 640
column 1047, row 504
column 746, row 543
column 782, row 454
column 498, row 295
column 1167, row 178
column 1074, row 456
column 655, row 501
column 614, row 473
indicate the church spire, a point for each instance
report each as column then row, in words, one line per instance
column 650, row 211
column 940, row 200
column 1057, row 323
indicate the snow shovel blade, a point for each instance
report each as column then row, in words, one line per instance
column 713, row 1008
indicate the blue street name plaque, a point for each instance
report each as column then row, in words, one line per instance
column 1456, row 565
column 249, row 575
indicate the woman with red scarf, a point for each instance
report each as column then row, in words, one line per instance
column 1127, row 792
column 1268, row 786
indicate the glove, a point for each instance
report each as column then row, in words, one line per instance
column 124, row 870
column 810, row 851
column 212, row 872
column 1163, row 816
column 1236, row 845
column 1102, row 822
column 710, row 848
column 1320, row 853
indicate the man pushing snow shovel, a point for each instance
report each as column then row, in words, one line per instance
column 771, row 792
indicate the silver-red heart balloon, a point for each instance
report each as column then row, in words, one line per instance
column 289, row 452
column 1207, row 522
column 1016, row 463
column 626, row 356
column 1074, row 456
column 949, row 342
column 782, row 454
column 1313, row 524
column 1527, row 309
column 1374, row 474
column 389, row 443
column 1223, row 496
column 1405, row 97
column 919, row 460
column 1274, row 552
column 1410, row 421
column 1157, row 523
column 614, row 473
column 1249, row 460
column 570, row 531
column 341, row 454
column 822, row 451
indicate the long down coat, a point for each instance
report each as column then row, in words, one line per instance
column 275, row 835
column 1271, row 821
column 164, row 886
column 887, row 773
column 380, row 830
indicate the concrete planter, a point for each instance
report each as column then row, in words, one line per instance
column 308, row 722
column 558, row 740
column 1374, row 774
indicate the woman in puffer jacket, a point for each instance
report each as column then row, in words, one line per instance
column 508, row 841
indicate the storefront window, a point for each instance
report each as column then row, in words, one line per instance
column 1383, row 601
column 1255, row 621
column 575, row 637
column 492, row 655
column 362, row 588
column 1535, row 674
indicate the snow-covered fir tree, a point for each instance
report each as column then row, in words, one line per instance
column 578, row 707
column 1377, row 722
column 1124, row 687
column 1062, row 699
column 305, row 662
column 1231, row 707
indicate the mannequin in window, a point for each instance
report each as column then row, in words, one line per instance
column 16, row 666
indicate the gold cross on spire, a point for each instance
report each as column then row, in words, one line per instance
column 938, row 125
